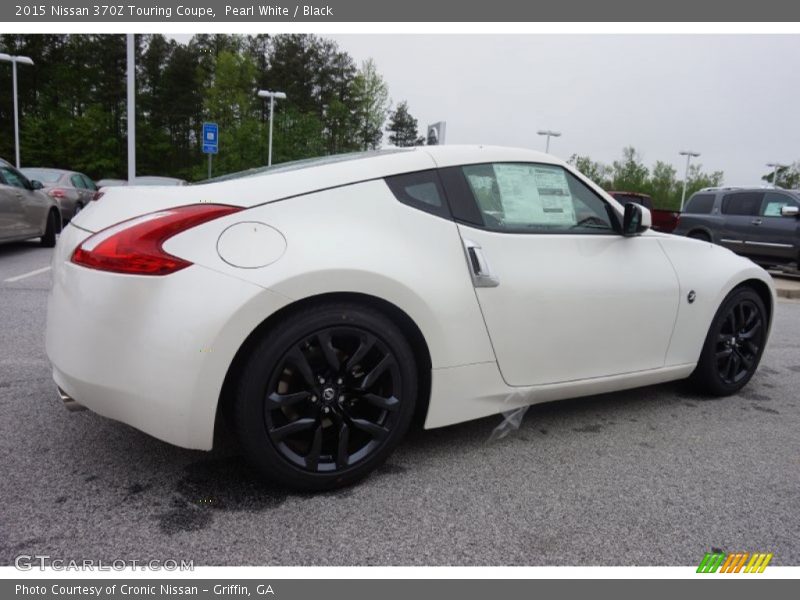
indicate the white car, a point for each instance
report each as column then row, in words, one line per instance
column 320, row 304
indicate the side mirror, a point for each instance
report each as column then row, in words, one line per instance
column 36, row 185
column 635, row 220
column 790, row 211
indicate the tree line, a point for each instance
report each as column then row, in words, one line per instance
column 73, row 102
column 661, row 182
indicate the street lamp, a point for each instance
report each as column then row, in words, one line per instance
column 775, row 166
column 14, row 60
column 272, row 97
column 688, row 154
column 549, row 134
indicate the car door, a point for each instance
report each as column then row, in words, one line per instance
column 10, row 209
column 740, row 212
column 775, row 236
column 30, row 209
column 16, row 211
column 564, row 296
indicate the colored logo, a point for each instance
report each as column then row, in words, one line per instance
column 734, row 562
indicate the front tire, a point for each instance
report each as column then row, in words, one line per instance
column 734, row 344
column 326, row 396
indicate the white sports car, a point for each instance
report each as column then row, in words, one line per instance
column 320, row 304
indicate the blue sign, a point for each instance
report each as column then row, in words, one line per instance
column 210, row 138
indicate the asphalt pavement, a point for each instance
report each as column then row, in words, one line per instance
column 655, row 476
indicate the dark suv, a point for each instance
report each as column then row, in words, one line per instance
column 761, row 224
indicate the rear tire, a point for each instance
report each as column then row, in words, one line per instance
column 326, row 396
column 49, row 237
column 734, row 344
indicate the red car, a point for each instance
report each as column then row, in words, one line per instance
column 663, row 220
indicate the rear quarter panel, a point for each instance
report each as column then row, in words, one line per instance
column 361, row 239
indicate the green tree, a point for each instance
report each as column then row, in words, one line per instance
column 596, row 171
column 788, row 176
column 402, row 127
column 629, row 174
column 371, row 95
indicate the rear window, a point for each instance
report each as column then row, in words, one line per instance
column 742, row 203
column 43, row 175
column 700, row 204
column 422, row 190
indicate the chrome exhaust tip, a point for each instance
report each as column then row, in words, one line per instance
column 70, row 403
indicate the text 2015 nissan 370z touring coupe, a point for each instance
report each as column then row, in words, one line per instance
column 320, row 304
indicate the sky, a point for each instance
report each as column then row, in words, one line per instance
column 733, row 98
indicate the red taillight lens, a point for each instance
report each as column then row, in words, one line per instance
column 135, row 247
column 56, row 193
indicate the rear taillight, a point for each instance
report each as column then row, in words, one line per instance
column 135, row 247
column 56, row 193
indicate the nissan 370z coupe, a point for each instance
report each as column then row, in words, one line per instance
column 319, row 305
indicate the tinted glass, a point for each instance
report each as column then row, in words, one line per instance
column 742, row 203
column 13, row 178
column 76, row 181
column 700, row 204
column 535, row 197
column 421, row 190
column 88, row 183
column 774, row 202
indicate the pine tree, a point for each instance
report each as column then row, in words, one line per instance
column 403, row 127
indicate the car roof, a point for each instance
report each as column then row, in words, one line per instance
column 441, row 155
column 259, row 186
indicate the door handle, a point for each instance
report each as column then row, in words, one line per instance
column 756, row 221
column 479, row 268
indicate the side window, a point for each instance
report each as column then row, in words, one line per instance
column 700, row 204
column 524, row 197
column 422, row 190
column 742, row 203
column 13, row 178
column 77, row 181
column 88, row 183
column 773, row 203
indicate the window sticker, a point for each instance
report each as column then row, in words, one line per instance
column 535, row 195
column 773, row 208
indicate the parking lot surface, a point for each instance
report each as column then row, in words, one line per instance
column 655, row 476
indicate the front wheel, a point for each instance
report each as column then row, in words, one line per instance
column 326, row 396
column 734, row 344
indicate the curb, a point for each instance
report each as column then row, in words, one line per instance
column 787, row 293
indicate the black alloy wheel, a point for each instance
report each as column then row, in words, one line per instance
column 326, row 396
column 333, row 399
column 734, row 344
column 739, row 341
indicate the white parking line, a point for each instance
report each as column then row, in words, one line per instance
column 26, row 275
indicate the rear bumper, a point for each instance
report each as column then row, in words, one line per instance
column 151, row 352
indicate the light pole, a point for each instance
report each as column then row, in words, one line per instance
column 272, row 96
column 775, row 166
column 14, row 60
column 688, row 154
column 549, row 134
column 131, row 110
